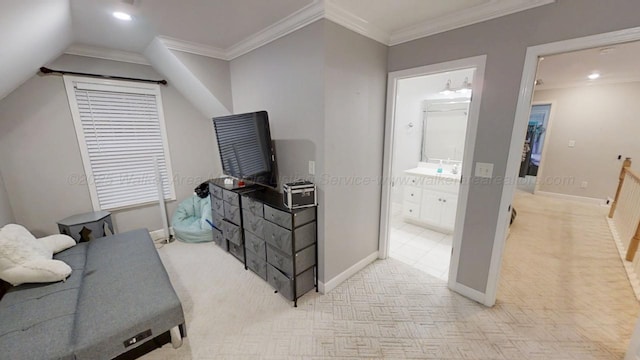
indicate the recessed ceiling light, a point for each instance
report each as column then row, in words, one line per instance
column 122, row 16
column 593, row 76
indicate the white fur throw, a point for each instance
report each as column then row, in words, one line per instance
column 25, row 259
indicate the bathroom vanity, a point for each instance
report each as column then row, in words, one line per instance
column 430, row 198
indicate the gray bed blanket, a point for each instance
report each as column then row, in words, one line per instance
column 117, row 290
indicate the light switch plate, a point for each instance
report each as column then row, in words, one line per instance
column 312, row 167
column 572, row 143
column 484, row 170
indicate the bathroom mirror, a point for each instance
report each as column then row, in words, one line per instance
column 444, row 127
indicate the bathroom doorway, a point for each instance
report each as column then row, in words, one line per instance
column 430, row 135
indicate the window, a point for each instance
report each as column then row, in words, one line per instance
column 121, row 133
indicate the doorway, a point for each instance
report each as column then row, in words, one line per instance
column 533, row 56
column 429, row 142
column 537, row 129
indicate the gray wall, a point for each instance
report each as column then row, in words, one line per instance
column 215, row 74
column 355, row 89
column 286, row 78
column 6, row 214
column 603, row 122
column 40, row 156
column 324, row 89
column 505, row 40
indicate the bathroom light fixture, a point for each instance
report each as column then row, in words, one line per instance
column 465, row 89
column 122, row 16
column 447, row 89
column 593, row 76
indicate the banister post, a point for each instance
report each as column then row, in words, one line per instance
column 626, row 164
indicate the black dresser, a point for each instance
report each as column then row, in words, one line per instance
column 276, row 243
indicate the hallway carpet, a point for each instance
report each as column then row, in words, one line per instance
column 563, row 295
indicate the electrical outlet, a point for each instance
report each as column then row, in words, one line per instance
column 584, row 184
column 312, row 167
column 484, row 170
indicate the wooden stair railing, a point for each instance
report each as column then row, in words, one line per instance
column 631, row 199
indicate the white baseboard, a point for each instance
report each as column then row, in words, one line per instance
column 472, row 294
column 159, row 234
column 582, row 199
column 343, row 276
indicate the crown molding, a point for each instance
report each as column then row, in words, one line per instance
column 291, row 23
column 108, row 54
column 355, row 23
column 472, row 15
column 319, row 9
column 587, row 83
column 194, row 48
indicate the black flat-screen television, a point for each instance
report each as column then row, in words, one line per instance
column 246, row 150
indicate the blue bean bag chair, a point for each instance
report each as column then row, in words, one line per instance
column 192, row 221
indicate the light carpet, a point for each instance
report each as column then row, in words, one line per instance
column 563, row 295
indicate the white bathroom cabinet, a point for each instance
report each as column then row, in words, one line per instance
column 430, row 199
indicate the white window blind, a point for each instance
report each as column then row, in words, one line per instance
column 120, row 129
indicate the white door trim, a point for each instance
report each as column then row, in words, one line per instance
column 477, row 62
column 547, row 135
column 519, row 131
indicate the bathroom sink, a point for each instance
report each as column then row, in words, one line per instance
column 427, row 171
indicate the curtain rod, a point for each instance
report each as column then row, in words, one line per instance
column 46, row 70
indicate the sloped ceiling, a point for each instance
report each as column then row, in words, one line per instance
column 33, row 33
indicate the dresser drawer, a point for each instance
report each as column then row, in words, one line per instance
column 281, row 238
column 257, row 265
column 237, row 251
column 215, row 191
column 217, row 220
column 217, row 205
column 304, row 259
column 289, row 220
column 231, row 197
column 254, row 207
column 231, row 232
column 254, row 224
column 254, row 244
column 232, row 213
column 284, row 285
column 218, row 238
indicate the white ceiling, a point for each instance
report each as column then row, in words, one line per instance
column 615, row 64
column 230, row 28
column 38, row 31
column 34, row 33
column 392, row 15
column 217, row 24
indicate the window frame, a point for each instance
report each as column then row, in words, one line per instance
column 131, row 87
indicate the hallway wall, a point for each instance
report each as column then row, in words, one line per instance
column 604, row 122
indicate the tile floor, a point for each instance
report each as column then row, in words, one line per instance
column 422, row 248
